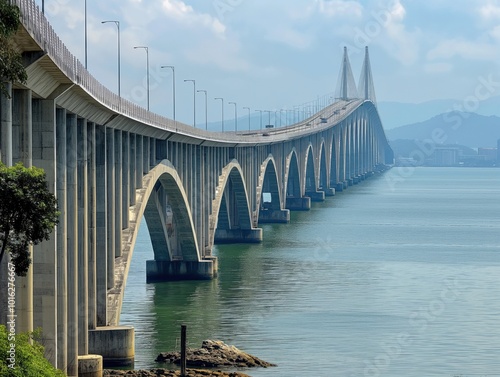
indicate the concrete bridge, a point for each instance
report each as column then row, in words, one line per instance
column 111, row 162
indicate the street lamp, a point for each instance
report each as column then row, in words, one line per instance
column 222, row 103
column 235, row 116
column 248, row 117
column 206, row 107
column 260, row 111
column 173, row 86
column 85, row 34
column 194, row 101
column 269, row 112
column 147, row 69
column 117, row 23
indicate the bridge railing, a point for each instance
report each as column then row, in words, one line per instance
column 42, row 32
column 37, row 25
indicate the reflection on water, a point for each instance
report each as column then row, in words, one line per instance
column 371, row 282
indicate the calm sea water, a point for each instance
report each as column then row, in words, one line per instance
column 372, row 282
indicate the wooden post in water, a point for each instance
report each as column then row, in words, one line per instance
column 183, row 351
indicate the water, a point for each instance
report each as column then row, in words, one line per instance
column 373, row 282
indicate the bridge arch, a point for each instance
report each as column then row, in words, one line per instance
column 322, row 168
column 292, row 176
column 230, row 207
column 333, row 161
column 164, row 204
column 309, row 174
column 268, row 197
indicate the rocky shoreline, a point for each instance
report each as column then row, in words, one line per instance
column 171, row 373
column 214, row 354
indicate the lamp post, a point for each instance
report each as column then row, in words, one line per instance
column 222, row 103
column 194, row 101
column 206, row 107
column 235, row 115
column 281, row 119
column 147, row 69
column 173, row 87
column 269, row 112
column 260, row 111
column 85, row 34
column 248, row 117
column 117, row 23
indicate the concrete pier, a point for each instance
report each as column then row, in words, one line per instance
column 90, row 366
column 223, row 236
column 316, row 196
column 273, row 216
column 329, row 191
column 115, row 344
column 158, row 271
column 298, row 204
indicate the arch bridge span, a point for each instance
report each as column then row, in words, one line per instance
column 110, row 163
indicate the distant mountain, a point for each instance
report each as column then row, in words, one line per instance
column 469, row 129
column 396, row 114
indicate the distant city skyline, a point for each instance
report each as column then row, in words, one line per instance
column 280, row 54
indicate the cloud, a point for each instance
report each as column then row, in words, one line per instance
column 490, row 10
column 438, row 67
column 397, row 40
column 469, row 50
column 186, row 15
column 339, row 8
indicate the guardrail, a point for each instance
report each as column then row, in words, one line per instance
column 36, row 24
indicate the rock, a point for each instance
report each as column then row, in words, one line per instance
column 214, row 354
column 171, row 373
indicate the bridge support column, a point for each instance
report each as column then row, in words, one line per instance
column 274, row 216
column 298, row 204
column 90, row 366
column 316, row 196
column 115, row 344
column 238, row 236
column 158, row 271
column 330, row 191
column 28, row 143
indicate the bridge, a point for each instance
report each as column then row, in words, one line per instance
column 111, row 163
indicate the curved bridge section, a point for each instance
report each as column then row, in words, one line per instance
column 110, row 163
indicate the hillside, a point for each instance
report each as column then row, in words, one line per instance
column 396, row 114
column 469, row 129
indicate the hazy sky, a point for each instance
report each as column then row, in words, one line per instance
column 272, row 54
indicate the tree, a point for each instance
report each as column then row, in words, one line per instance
column 22, row 356
column 28, row 213
column 11, row 64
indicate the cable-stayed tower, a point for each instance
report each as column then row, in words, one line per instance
column 366, row 89
column 346, row 86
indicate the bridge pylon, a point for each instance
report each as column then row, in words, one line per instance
column 365, row 86
column 346, row 86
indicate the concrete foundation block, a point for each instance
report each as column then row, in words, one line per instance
column 226, row 236
column 298, row 204
column 329, row 191
column 316, row 196
column 273, row 216
column 115, row 344
column 339, row 187
column 158, row 271
column 90, row 366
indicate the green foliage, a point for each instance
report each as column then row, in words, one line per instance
column 28, row 212
column 29, row 359
column 11, row 65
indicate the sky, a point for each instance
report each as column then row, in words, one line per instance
column 277, row 54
